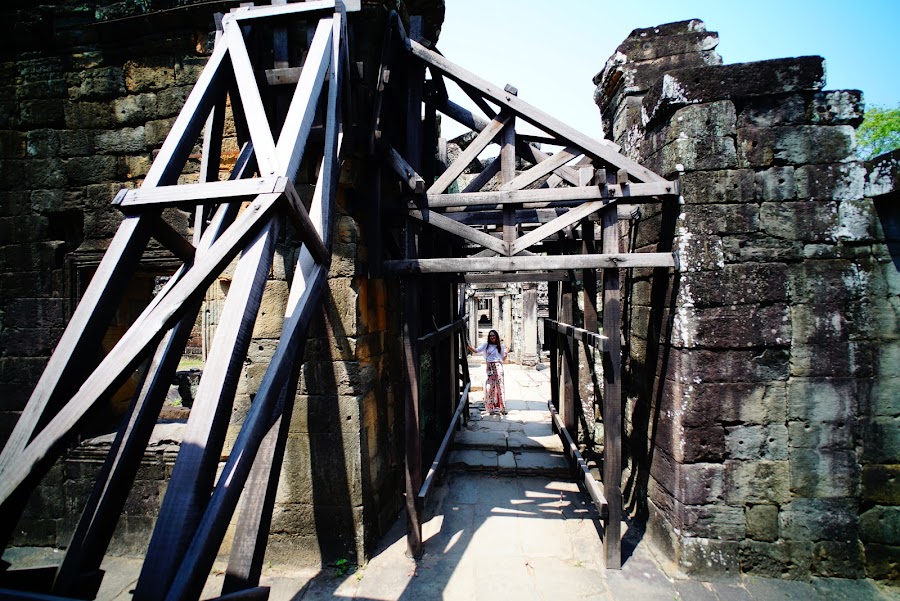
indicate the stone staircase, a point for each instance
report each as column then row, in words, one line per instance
column 519, row 443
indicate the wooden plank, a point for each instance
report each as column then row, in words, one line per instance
column 254, row 112
column 282, row 10
column 194, row 472
column 553, row 340
column 169, row 196
column 283, row 76
column 470, row 153
column 166, row 235
column 463, row 231
column 543, row 168
column 305, row 227
column 298, row 122
column 507, row 174
column 568, row 383
column 637, row 193
column 487, row 173
column 583, row 335
column 612, row 398
column 384, row 75
column 584, row 472
column 432, row 338
column 126, row 354
column 500, row 278
column 533, row 115
column 210, row 85
column 568, row 218
column 444, row 450
column 409, row 176
column 305, row 291
column 263, row 413
column 531, row 263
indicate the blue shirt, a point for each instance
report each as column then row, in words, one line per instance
column 491, row 354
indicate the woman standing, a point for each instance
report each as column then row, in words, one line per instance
column 494, row 356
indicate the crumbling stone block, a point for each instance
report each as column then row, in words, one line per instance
column 762, row 522
column 749, row 482
column 768, row 442
column 819, row 519
column 824, row 473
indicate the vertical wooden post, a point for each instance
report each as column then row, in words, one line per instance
column 508, row 173
column 567, row 380
column 552, row 337
column 612, row 397
column 416, row 76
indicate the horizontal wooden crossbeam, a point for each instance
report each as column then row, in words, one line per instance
column 598, row 341
column 635, row 193
column 532, row 263
column 203, row 193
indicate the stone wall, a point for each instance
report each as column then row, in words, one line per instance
column 89, row 91
column 762, row 377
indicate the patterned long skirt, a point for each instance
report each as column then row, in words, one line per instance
column 493, row 391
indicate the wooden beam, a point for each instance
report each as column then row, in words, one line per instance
column 636, row 193
column 298, row 122
column 409, row 176
column 534, row 115
column 543, row 168
column 612, row 397
column 470, row 153
column 575, row 333
column 568, row 218
column 169, row 196
column 254, row 111
column 531, row 263
column 444, row 449
column 305, row 227
column 581, row 467
column 486, row 175
column 500, row 278
column 432, row 338
column 463, row 231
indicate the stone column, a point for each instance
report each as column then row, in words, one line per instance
column 529, row 351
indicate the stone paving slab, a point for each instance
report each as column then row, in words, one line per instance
column 480, row 439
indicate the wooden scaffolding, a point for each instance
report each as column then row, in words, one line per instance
column 539, row 225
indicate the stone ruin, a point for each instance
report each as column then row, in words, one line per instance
column 762, row 380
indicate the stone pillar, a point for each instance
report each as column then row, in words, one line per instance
column 751, row 369
column 529, row 351
column 472, row 305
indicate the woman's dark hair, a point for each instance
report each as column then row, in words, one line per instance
column 497, row 334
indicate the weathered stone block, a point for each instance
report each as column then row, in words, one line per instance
column 120, row 141
column 148, row 77
column 881, row 484
column 170, row 100
column 719, row 219
column 882, row 561
column 820, row 324
column 808, row 221
column 271, row 310
column 135, row 109
column 688, row 154
column 76, row 142
column 323, row 469
column 136, row 166
column 819, row 519
column 709, row 557
column 844, row 181
column 881, row 439
column 833, row 559
column 781, row 559
column 763, row 78
column 156, row 131
column 347, row 377
column 41, row 113
column 885, row 399
column 767, row 442
column 769, row 111
column 756, row 482
column 45, row 173
column 819, row 435
column 794, row 145
column 824, row 473
column 881, row 524
column 323, row 414
column 758, row 247
column 707, row 366
column 710, row 521
column 89, row 115
column 821, row 400
column 39, row 143
column 700, row 483
column 748, row 403
column 700, row 187
column 98, row 84
column 92, row 170
column 762, row 522
column 735, row 326
column 699, row 253
column 834, row 280
column 776, row 183
column 744, row 284
column 837, row 107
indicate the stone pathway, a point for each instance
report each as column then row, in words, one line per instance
column 505, row 524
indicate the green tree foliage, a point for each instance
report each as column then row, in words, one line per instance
column 879, row 132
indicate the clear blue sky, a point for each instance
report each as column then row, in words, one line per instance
column 551, row 50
